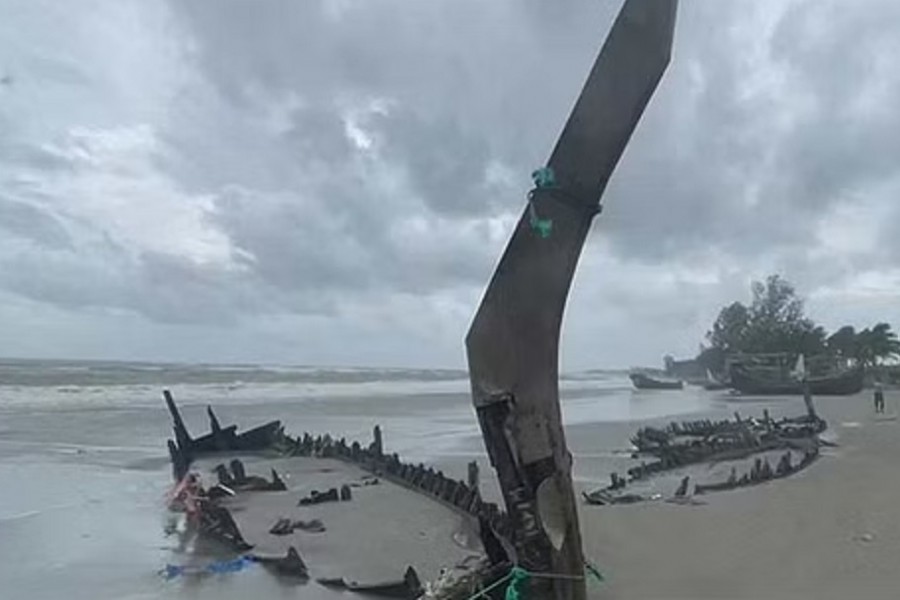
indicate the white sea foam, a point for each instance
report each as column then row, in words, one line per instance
column 50, row 385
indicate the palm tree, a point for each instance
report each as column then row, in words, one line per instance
column 876, row 344
column 843, row 342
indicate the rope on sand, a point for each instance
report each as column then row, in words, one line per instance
column 222, row 566
column 517, row 577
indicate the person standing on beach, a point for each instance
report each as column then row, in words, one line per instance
column 879, row 398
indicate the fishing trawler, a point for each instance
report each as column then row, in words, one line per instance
column 783, row 374
column 645, row 381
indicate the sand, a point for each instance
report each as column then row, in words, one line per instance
column 831, row 531
column 371, row 538
column 828, row 532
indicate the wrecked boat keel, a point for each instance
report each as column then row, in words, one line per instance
column 761, row 472
column 681, row 445
column 217, row 523
column 185, row 448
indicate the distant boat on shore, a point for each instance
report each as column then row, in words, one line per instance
column 643, row 381
column 713, row 384
column 757, row 383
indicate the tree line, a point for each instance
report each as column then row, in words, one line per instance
column 775, row 321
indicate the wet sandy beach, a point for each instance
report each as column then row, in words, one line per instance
column 831, row 531
column 85, row 475
column 373, row 537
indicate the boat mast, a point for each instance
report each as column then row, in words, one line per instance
column 513, row 342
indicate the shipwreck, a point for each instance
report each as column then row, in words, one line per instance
column 512, row 349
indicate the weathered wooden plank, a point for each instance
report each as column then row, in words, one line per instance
column 513, row 342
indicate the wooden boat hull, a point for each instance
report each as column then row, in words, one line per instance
column 409, row 587
column 843, row 384
column 645, row 382
column 716, row 386
column 219, row 439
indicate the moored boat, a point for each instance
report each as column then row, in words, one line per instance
column 748, row 381
column 713, row 384
column 643, row 381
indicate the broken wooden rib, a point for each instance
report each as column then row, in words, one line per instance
column 220, row 439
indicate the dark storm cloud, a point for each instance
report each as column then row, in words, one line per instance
column 747, row 143
column 291, row 245
column 350, row 159
column 27, row 221
column 311, row 243
column 317, row 134
column 844, row 64
column 449, row 182
column 456, row 77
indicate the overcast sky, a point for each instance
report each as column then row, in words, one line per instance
column 332, row 182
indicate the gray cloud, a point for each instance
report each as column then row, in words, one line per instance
column 352, row 167
column 28, row 221
column 448, row 182
column 733, row 161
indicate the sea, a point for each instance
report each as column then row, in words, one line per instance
column 84, row 469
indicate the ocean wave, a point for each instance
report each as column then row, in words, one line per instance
column 120, row 395
column 71, row 374
column 61, row 385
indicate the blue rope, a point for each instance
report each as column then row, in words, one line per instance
column 518, row 577
column 221, row 566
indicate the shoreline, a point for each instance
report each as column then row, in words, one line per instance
column 826, row 532
column 116, row 482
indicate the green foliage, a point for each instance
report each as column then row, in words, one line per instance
column 712, row 358
column 730, row 331
column 876, row 344
column 843, row 342
column 870, row 346
column 774, row 322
